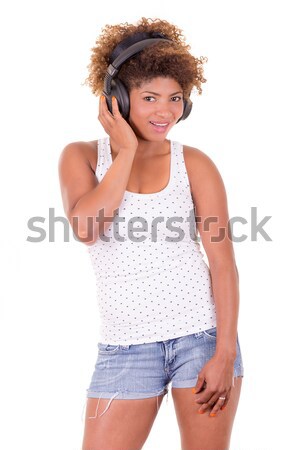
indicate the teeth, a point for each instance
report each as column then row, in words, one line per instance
column 160, row 124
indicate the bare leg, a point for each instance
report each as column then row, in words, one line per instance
column 200, row 431
column 125, row 425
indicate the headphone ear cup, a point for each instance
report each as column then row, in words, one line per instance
column 187, row 108
column 120, row 92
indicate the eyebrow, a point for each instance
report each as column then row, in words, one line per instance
column 155, row 93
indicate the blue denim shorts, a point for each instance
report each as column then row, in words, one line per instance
column 138, row 371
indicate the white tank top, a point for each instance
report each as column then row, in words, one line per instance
column 151, row 281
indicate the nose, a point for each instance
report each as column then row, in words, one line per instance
column 164, row 112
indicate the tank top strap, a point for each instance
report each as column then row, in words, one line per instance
column 180, row 172
column 103, row 161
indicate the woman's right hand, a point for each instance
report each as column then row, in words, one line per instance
column 116, row 126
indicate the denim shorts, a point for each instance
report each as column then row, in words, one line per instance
column 138, row 371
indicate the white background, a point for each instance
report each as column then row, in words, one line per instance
column 245, row 121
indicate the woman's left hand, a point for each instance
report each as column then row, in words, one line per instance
column 215, row 379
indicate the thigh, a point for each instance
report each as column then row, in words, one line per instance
column 200, row 431
column 125, row 425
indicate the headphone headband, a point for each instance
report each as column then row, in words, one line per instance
column 132, row 39
column 135, row 48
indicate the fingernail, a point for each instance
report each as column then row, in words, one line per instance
column 200, row 411
column 223, row 407
column 194, row 390
column 213, row 414
column 102, row 97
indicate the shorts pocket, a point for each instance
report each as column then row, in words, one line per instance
column 211, row 333
column 107, row 349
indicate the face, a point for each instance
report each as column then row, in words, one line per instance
column 155, row 108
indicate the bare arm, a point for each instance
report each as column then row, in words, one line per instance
column 83, row 197
column 210, row 199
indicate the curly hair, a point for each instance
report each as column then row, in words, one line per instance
column 170, row 59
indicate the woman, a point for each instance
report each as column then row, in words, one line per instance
column 165, row 315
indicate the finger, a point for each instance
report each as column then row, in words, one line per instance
column 209, row 397
column 104, row 113
column 213, row 404
column 204, row 397
column 102, row 103
column 206, row 402
column 205, row 393
column 227, row 399
column 216, row 404
column 115, row 107
column 203, row 408
column 101, row 106
column 220, row 403
column 209, row 401
column 201, row 384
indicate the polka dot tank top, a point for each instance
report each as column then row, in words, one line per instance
column 152, row 283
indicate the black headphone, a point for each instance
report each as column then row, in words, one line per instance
column 113, row 86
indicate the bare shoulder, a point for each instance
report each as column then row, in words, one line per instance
column 200, row 168
column 76, row 170
column 85, row 151
column 210, row 200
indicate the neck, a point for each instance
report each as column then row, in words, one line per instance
column 148, row 149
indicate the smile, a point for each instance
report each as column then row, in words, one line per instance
column 160, row 124
column 160, row 127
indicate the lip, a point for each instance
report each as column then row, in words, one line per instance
column 158, row 128
column 157, row 121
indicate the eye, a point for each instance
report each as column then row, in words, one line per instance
column 146, row 98
column 178, row 98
